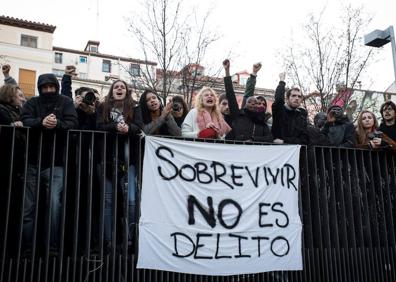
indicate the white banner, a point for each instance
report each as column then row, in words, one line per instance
column 219, row 209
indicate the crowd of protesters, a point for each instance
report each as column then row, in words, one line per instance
column 213, row 116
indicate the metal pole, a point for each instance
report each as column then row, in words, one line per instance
column 392, row 38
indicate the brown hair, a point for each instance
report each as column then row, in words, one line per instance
column 360, row 131
column 385, row 105
column 288, row 93
column 8, row 94
column 128, row 104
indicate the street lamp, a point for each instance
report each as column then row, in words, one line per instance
column 379, row 38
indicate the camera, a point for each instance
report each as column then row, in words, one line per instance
column 89, row 98
column 176, row 107
column 375, row 134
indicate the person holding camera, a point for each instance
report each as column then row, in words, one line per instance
column 86, row 100
column 86, row 103
column 248, row 124
column 339, row 131
column 179, row 109
column 157, row 119
column 368, row 136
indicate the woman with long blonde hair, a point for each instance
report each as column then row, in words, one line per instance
column 368, row 136
column 205, row 120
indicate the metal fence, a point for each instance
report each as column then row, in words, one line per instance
column 347, row 200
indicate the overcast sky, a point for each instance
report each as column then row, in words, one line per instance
column 255, row 30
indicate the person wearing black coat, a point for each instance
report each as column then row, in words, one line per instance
column 10, row 105
column 118, row 116
column 49, row 114
column 339, row 130
column 388, row 124
column 247, row 124
column 289, row 121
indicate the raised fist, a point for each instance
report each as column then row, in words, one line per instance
column 6, row 69
column 226, row 64
column 256, row 68
column 282, row 76
column 70, row 70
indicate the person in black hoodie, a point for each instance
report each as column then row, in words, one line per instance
column 247, row 124
column 49, row 114
column 339, row 130
column 289, row 121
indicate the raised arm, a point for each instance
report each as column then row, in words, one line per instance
column 7, row 78
column 66, row 88
column 251, row 83
column 230, row 93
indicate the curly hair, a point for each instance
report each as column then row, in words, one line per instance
column 128, row 107
column 8, row 94
column 199, row 102
column 361, row 131
column 385, row 105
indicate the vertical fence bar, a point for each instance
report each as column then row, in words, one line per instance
column 38, row 182
column 63, row 212
column 22, row 199
column 7, row 209
column 76, row 209
column 88, row 215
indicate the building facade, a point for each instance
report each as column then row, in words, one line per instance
column 28, row 47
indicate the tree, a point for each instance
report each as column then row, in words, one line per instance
column 160, row 29
column 176, row 39
column 329, row 57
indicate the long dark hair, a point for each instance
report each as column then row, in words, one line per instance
column 128, row 104
column 179, row 99
column 146, row 115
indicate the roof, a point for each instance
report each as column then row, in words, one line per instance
column 105, row 56
column 27, row 24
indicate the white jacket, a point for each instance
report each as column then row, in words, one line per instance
column 190, row 127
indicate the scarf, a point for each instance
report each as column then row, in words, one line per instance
column 204, row 118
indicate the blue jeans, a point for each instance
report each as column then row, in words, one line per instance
column 108, row 197
column 30, row 201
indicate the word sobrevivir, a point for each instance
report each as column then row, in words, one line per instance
column 217, row 172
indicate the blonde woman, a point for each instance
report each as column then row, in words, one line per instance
column 205, row 120
column 367, row 135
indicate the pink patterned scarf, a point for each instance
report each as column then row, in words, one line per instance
column 204, row 118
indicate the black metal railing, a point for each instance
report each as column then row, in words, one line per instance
column 347, row 200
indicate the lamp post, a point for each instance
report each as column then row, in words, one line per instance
column 379, row 38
